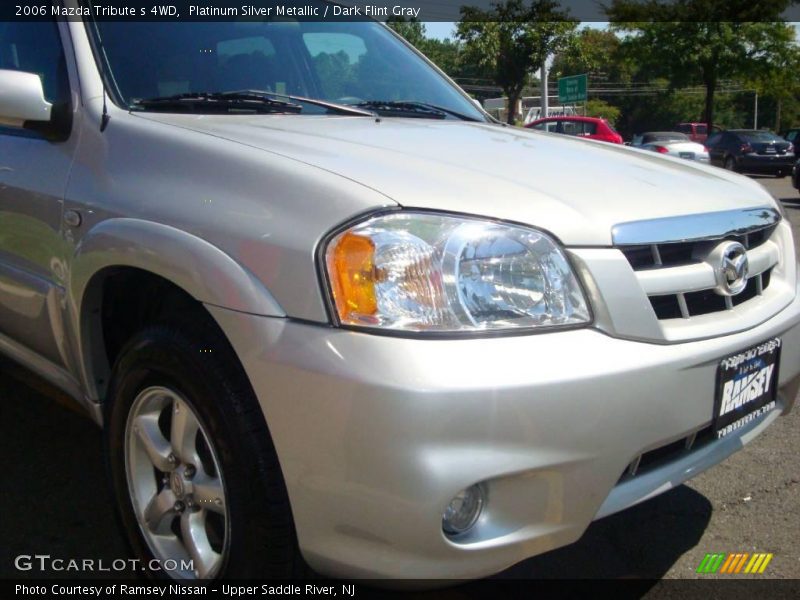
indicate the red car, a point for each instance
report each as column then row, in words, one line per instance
column 697, row 132
column 591, row 128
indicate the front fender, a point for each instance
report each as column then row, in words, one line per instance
column 201, row 269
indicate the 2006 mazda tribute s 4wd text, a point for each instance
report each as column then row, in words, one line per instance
column 331, row 315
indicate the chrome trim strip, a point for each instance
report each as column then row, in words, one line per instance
column 690, row 228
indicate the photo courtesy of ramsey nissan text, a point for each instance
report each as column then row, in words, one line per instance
column 359, row 296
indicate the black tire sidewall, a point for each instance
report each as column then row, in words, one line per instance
column 165, row 357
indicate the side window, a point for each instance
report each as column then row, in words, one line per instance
column 701, row 130
column 35, row 47
column 589, row 128
column 551, row 126
column 572, row 127
column 714, row 140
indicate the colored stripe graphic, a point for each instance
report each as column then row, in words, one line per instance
column 727, row 564
column 754, row 563
column 764, row 564
column 703, row 564
column 711, row 563
column 735, row 563
column 740, row 564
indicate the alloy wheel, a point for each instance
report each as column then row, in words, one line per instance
column 176, row 484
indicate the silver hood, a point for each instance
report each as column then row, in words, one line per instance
column 576, row 189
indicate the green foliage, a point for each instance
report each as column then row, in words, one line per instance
column 412, row 30
column 701, row 41
column 595, row 52
column 513, row 39
column 447, row 54
column 602, row 109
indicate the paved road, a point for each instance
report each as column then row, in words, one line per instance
column 54, row 498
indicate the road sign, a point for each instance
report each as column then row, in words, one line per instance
column 572, row 89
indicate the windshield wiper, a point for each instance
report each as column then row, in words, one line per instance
column 410, row 108
column 340, row 108
column 215, row 101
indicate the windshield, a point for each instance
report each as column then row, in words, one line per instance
column 342, row 62
column 760, row 136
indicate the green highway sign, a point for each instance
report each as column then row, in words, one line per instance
column 572, row 89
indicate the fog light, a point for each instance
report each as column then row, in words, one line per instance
column 463, row 510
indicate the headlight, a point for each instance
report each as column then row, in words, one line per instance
column 428, row 272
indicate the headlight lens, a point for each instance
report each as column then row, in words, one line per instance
column 427, row 272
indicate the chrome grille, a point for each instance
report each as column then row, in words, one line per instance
column 676, row 269
column 648, row 256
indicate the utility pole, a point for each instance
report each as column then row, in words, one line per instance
column 544, row 88
column 755, row 112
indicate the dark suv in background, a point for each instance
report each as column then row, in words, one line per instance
column 751, row 151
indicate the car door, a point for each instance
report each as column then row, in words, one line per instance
column 33, row 176
column 716, row 151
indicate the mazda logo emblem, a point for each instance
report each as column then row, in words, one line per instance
column 731, row 268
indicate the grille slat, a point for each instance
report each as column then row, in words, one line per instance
column 686, row 304
column 665, row 454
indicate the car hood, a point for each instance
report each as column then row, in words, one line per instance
column 575, row 189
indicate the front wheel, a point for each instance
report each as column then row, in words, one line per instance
column 199, row 488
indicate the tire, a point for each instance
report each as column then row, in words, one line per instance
column 235, row 505
column 730, row 164
column 781, row 174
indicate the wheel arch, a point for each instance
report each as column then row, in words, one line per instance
column 179, row 260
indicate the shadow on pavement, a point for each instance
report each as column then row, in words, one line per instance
column 641, row 542
column 56, row 501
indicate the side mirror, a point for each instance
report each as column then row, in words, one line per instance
column 22, row 99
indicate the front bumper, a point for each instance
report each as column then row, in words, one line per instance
column 376, row 434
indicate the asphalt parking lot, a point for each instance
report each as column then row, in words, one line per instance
column 55, row 499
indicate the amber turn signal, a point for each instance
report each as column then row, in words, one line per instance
column 352, row 271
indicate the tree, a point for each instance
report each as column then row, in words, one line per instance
column 412, row 30
column 603, row 110
column 702, row 41
column 595, row 52
column 779, row 84
column 512, row 40
column 446, row 54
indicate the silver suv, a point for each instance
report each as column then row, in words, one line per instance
column 331, row 315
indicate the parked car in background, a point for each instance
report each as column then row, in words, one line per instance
column 697, row 132
column 793, row 136
column 535, row 112
column 591, row 128
column 671, row 143
column 751, row 151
